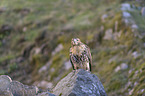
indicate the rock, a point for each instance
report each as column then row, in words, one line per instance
column 18, row 89
column 117, row 68
column 2, row 9
column 135, row 54
column 79, row 83
column 6, row 93
column 126, row 15
column 67, row 65
column 31, row 90
column 108, row 34
column 124, row 66
column 45, row 84
column 103, row 17
column 131, row 91
column 134, row 26
column 45, row 67
column 15, row 88
column 4, row 82
column 45, row 94
column 57, row 49
column 126, row 7
column 143, row 11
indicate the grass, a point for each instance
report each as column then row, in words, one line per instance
column 7, row 57
column 139, row 19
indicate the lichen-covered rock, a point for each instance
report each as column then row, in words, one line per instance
column 4, row 82
column 80, row 83
column 125, row 7
column 15, row 88
column 143, row 11
column 18, row 89
column 45, row 94
column 6, row 93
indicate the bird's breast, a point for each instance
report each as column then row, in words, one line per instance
column 77, row 50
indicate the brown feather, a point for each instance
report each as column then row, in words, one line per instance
column 80, row 55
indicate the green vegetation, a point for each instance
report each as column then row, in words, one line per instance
column 139, row 19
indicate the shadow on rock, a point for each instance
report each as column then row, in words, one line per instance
column 79, row 83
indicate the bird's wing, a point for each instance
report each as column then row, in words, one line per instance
column 89, row 56
column 71, row 58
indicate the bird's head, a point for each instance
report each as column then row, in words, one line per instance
column 75, row 41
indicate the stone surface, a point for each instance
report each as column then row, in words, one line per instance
column 6, row 93
column 18, row 89
column 126, row 14
column 15, row 88
column 108, row 34
column 125, row 7
column 143, row 11
column 103, row 17
column 45, row 94
column 4, row 82
column 135, row 54
column 45, row 84
column 67, row 65
column 124, row 66
column 118, row 68
column 79, row 83
column 57, row 49
column 44, row 68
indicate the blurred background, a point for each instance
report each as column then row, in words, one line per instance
column 35, row 37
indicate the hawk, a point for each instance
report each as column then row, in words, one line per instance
column 80, row 55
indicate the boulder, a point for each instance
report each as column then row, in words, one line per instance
column 4, row 82
column 108, row 34
column 143, row 11
column 15, row 88
column 79, row 83
column 126, row 7
column 18, row 89
column 6, row 93
column 45, row 94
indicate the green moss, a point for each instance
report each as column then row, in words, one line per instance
column 7, row 57
column 57, row 62
column 139, row 20
column 3, row 72
column 110, row 21
column 115, row 85
column 36, row 62
column 12, row 67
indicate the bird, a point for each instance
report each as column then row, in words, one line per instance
column 80, row 55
